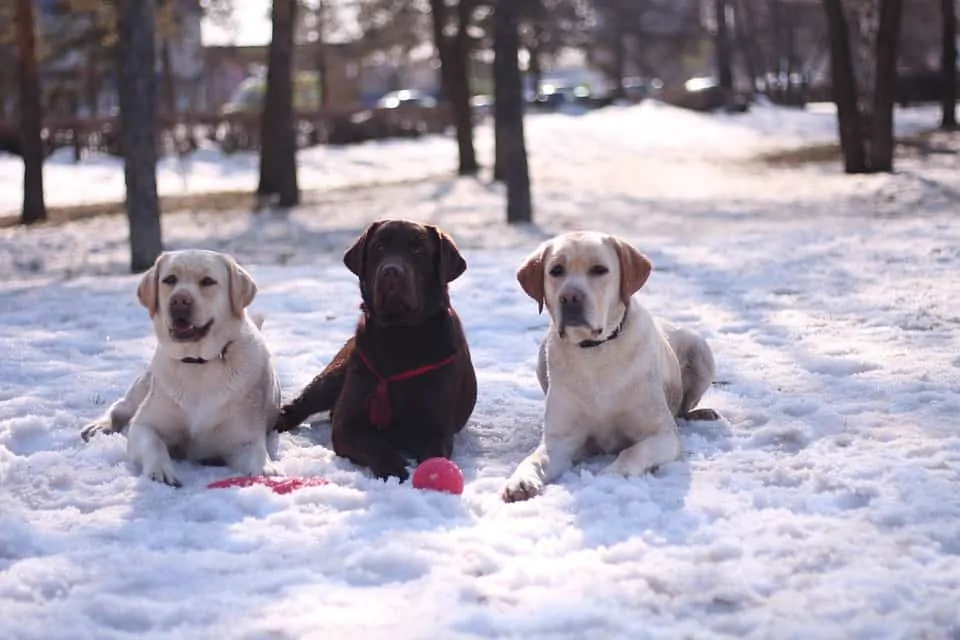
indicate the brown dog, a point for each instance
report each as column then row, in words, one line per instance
column 404, row 384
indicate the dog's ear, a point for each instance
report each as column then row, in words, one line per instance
column 530, row 275
column 450, row 264
column 242, row 287
column 148, row 291
column 635, row 268
column 356, row 256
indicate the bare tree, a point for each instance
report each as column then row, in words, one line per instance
column 865, row 114
column 34, row 209
column 885, row 86
column 321, row 18
column 948, row 64
column 508, row 89
column 722, row 46
column 278, row 146
column 845, row 88
column 138, row 129
column 165, row 28
column 454, row 54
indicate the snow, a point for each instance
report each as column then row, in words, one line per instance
column 825, row 504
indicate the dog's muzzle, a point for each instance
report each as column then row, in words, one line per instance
column 572, row 303
column 394, row 290
column 182, row 327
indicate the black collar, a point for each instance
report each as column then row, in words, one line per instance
column 589, row 344
column 221, row 356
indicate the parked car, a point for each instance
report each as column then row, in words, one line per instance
column 406, row 98
column 705, row 94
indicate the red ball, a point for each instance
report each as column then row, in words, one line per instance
column 438, row 474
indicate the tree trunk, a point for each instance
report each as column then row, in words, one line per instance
column 790, row 38
column 278, row 140
column 845, row 89
column 460, row 95
column 508, row 89
column 92, row 83
column 320, row 56
column 948, row 64
column 746, row 41
column 535, row 67
column 501, row 141
column 722, row 46
column 138, row 129
column 619, row 61
column 31, row 116
column 320, row 65
column 454, row 54
column 166, row 73
column 882, row 140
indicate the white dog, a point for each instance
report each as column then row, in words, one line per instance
column 615, row 379
column 210, row 393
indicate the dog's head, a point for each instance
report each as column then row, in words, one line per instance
column 404, row 268
column 194, row 295
column 586, row 280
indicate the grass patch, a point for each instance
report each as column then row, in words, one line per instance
column 923, row 144
column 212, row 201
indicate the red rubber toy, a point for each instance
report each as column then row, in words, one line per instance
column 278, row 485
column 438, row 474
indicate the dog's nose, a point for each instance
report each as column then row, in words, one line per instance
column 571, row 298
column 181, row 303
column 391, row 274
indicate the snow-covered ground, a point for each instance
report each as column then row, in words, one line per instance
column 825, row 505
column 649, row 127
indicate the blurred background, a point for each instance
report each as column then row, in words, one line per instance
column 274, row 77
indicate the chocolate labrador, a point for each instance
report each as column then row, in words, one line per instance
column 404, row 384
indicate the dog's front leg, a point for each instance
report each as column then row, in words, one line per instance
column 551, row 458
column 320, row 395
column 147, row 449
column 121, row 411
column 651, row 451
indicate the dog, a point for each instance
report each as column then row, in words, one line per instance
column 210, row 393
column 404, row 384
column 615, row 379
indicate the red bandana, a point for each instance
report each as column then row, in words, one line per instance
column 380, row 411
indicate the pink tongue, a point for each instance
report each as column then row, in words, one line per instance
column 181, row 325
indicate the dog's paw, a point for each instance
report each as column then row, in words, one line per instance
column 704, row 415
column 251, row 460
column 162, row 471
column 627, row 469
column 521, row 487
column 270, row 470
column 92, row 429
column 286, row 421
column 394, row 466
column 615, row 470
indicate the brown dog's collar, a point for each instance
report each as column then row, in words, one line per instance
column 380, row 411
column 589, row 344
column 222, row 356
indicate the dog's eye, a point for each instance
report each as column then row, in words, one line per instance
column 207, row 282
column 170, row 280
column 378, row 247
column 557, row 271
column 599, row 270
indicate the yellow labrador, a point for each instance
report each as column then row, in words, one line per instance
column 615, row 379
column 210, row 393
